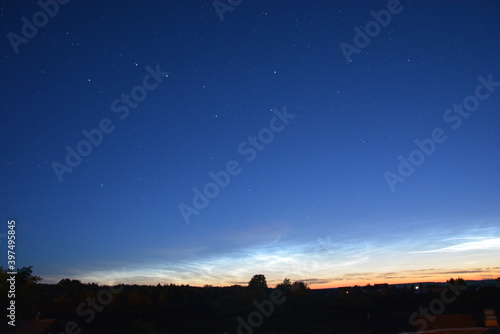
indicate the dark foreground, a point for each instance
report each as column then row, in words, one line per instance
column 72, row 307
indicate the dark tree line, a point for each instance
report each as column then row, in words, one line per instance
column 170, row 308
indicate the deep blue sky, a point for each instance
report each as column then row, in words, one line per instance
column 314, row 204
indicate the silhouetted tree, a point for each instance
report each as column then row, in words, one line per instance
column 299, row 286
column 25, row 282
column 26, row 278
column 458, row 281
column 67, row 283
column 286, row 285
column 258, row 282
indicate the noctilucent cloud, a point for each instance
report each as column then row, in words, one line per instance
column 199, row 142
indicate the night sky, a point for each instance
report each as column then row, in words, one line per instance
column 191, row 142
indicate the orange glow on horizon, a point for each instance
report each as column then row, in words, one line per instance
column 409, row 280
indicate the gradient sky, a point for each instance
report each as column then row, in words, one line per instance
column 313, row 203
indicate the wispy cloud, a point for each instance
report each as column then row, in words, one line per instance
column 484, row 244
column 404, row 257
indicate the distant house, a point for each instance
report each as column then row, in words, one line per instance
column 38, row 326
column 345, row 290
column 490, row 318
column 381, row 288
column 378, row 288
column 451, row 321
column 433, row 288
column 453, row 324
